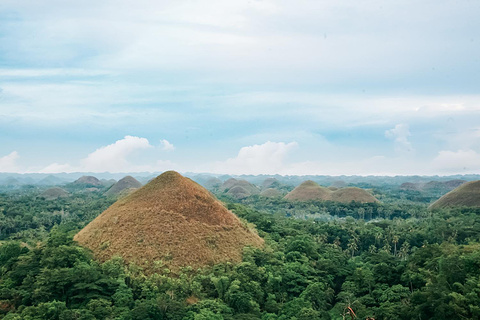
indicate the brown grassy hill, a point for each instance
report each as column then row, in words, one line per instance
column 468, row 194
column 309, row 190
column 54, row 193
column 88, row 181
column 124, row 186
column 271, row 193
column 228, row 184
column 433, row 186
column 454, row 183
column 270, row 183
column 232, row 182
column 410, row 186
column 238, row 192
column 347, row 195
column 172, row 219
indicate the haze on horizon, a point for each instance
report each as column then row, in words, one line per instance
column 240, row 87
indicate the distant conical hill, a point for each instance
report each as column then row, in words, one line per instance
column 124, row 186
column 467, row 195
column 238, row 192
column 347, row 195
column 54, row 193
column 271, row 193
column 310, row 190
column 88, row 181
column 171, row 219
column 239, row 189
column 232, row 182
column 270, row 183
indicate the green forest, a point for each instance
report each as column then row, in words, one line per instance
column 321, row 260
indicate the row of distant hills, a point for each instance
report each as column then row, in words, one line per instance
column 411, row 182
column 344, row 189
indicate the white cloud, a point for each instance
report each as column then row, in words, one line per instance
column 8, row 163
column 267, row 158
column 110, row 158
column 113, row 157
column 167, row 146
column 461, row 161
column 57, row 167
column 400, row 135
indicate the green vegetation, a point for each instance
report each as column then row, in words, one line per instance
column 395, row 260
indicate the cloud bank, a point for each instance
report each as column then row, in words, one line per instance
column 8, row 163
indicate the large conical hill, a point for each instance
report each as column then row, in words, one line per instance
column 172, row 219
column 124, row 186
column 466, row 195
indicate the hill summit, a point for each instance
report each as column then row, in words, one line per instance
column 54, row 193
column 467, row 195
column 310, row 190
column 171, row 219
column 124, row 186
column 90, row 181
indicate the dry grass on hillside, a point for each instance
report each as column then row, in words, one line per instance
column 468, row 195
column 54, row 193
column 310, row 190
column 172, row 219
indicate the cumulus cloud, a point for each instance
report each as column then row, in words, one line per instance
column 461, row 161
column 8, row 163
column 113, row 157
column 267, row 158
column 166, row 145
column 110, row 158
column 400, row 135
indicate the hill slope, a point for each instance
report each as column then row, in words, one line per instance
column 271, row 193
column 468, row 194
column 54, row 193
column 124, row 186
column 172, row 219
column 88, row 181
column 347, row 195
column 310, row 190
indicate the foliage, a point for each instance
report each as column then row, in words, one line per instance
column 408, row 263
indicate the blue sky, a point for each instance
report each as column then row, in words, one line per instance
column 303, row 87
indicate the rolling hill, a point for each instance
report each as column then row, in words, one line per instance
column 124, row 186
column 310, row 190
column 466, row 195
column 171, row 219
column 54, row 193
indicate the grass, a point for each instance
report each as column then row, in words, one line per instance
column 171, row 219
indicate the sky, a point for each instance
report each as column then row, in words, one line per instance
column 240, row 87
